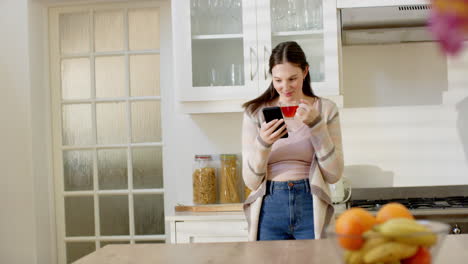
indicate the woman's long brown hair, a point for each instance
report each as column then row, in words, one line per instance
column 284, row 52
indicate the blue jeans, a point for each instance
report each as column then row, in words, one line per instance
column 287, row 211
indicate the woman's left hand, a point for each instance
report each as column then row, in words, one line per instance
column 306, row 112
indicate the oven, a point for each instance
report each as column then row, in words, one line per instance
column 447, row 204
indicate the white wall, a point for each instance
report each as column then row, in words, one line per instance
column 41, row 133
column 24, row 220
column 17, row 242
column 199, row 134
column 397, row 130
column 393, row 75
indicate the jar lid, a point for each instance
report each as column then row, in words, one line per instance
column 202, row 157
column 228, row 156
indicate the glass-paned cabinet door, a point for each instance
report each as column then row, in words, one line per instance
column 222, row 60
column 312, row 24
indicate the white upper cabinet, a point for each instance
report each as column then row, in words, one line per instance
column 222, row 47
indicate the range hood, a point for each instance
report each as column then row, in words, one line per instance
column 382, row 22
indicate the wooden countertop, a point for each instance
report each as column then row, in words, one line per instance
column 453, row 251
column 213, row 216
column 206, row 216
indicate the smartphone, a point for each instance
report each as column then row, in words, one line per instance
column 271, row 113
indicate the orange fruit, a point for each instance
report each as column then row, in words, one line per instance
column 351, row 224
column 350, row 234
column 365, row 219
column 393, row 210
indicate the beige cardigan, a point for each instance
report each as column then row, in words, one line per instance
column 326, row 167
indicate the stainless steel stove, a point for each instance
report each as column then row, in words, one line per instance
column 447, row 204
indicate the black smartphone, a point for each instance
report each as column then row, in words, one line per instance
column 271, row 113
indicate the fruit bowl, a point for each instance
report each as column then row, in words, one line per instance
column 399, row 240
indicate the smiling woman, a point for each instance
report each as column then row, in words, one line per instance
column 289, row 177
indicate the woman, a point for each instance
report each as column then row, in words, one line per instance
column 289, row 177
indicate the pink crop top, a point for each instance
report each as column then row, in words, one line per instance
column 291, row 157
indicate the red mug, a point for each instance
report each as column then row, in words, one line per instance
column 289, row 108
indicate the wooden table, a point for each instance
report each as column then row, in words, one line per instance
column 454, row 250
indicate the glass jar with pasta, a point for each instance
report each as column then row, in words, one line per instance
column 204, row 180
column 229, row 188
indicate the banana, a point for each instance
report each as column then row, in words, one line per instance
column 354, row 257
column 400, row 227
column 373, row 239
column 371, row 234
column 407, row 231
column 346, row 255
column 392, row 262
column 372, row 243
column 426, row 240
column 389, row 251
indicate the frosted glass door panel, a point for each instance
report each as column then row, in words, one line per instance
column 146, row 121
column 149, row 214
column 110, row 76
column 78, row 170
column 106, row 112
column 112, row 169
column 147, row 168
column 144, row 75
column 113, row 211
column 111, row 123
column 77, row 250
column 108, row 31
column 143, row 29
column 74, row 33
column 79, row 216
column 76, row 124
column 76, row 78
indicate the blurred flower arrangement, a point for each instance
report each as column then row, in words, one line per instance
column 448, row 23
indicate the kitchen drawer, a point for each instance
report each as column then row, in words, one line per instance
column 210, row 231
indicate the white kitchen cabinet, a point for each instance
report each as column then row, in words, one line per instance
column 208, row 227
column 221, row 48
column 191, row 227
column 211, row 231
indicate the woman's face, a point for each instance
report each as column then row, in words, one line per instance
column 287, row 81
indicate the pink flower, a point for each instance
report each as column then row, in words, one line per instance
column 448, row 22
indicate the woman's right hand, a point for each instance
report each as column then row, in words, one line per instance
column 268, row 133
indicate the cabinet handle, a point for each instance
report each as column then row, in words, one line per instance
column 252, row 75
column 265, row 62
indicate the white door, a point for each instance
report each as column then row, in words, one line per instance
column 108, row 144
